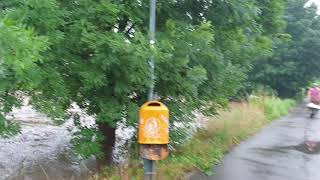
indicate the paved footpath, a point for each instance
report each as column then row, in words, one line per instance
column 288, row 149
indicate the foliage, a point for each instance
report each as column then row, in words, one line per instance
column 20, row 50
column 87, row 142
column 294, row 63
column 95, row 53
column 208, row 145
column 273, row 107
column 7, row 128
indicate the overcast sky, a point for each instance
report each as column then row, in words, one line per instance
column 317, row 2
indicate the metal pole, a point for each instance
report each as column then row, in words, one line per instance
column 150, row 165
column 149, row 169
column 152, row 29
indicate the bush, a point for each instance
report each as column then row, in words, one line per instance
column 272, row 106
column 222, row 132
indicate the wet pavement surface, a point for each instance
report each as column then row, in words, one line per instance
column 288, row 149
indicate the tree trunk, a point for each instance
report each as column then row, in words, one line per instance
column 109, row 134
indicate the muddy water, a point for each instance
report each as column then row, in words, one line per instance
column 42, row 151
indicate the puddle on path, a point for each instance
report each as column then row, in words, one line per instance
column 307, row 147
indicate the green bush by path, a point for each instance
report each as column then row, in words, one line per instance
column 208, row 146
column 273, row 107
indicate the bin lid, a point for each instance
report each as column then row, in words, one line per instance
column 154, row 105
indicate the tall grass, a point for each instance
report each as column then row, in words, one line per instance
column 273, row 107
column 208, row 145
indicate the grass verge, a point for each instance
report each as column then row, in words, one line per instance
column 208, row 145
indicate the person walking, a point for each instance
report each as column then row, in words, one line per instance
column 314, row 94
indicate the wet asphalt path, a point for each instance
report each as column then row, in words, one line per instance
column 288, row 149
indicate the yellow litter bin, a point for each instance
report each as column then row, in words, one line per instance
column 153, row 123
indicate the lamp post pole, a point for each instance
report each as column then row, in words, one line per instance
column 152, row 34
column 150, row 165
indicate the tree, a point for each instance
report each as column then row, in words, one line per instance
column 98, row 53
column 295, row 62
column 20, row 51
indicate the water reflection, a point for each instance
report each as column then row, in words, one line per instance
column 309, row 147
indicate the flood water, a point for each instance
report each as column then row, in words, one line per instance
column 42, row 151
